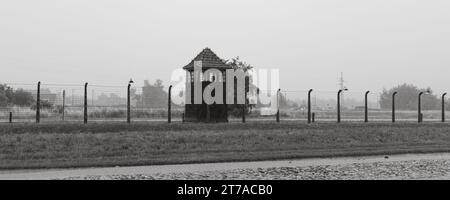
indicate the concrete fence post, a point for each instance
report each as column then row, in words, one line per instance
column 366, row 108
column 309, row 106
column 443, row 107
column 169, row 105
column 393, row 106
column 244, row 107
column 64, row 105
column 278, row 106
column 129, row 101
column 128, row 104
column 85, row 104
column 419, row 108
column 38, row 103
column 338, row 107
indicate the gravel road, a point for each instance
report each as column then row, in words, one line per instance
column 410, row 166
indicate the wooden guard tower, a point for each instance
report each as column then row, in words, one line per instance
column 203, row 112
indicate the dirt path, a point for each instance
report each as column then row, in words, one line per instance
column 418, row 166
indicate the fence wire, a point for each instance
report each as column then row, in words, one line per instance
column 65, row 102
column 324, row 107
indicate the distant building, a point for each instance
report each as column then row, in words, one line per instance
column 46, row 95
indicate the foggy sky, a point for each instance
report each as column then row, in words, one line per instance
column 375, row 43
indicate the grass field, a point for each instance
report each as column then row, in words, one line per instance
column 119, row 144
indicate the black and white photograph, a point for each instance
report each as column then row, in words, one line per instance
column 224, row 90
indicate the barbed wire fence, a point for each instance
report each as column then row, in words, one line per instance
column 293, row 106
column 66, row 103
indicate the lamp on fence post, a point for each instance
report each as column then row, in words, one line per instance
column 278, row 106
column 85, row 104
column 38, row 103
column 393, row 106
column 129, row 101
column 443, row 107
column 339, row 105
column 366, row 109
column 169, row 105
column 309, row 106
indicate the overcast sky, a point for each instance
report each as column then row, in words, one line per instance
column 375, row 43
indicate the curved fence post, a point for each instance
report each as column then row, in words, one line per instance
column 393, row 106
column 85, row 104
column 128, row 104
column 38, row 103
column 129, row 101
column 366, row 109
column 419, row 108
column 64, row 105
column 443, row 107
column 309, row 106
column 244, row 107
column 169, row 105
column 278, row 106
